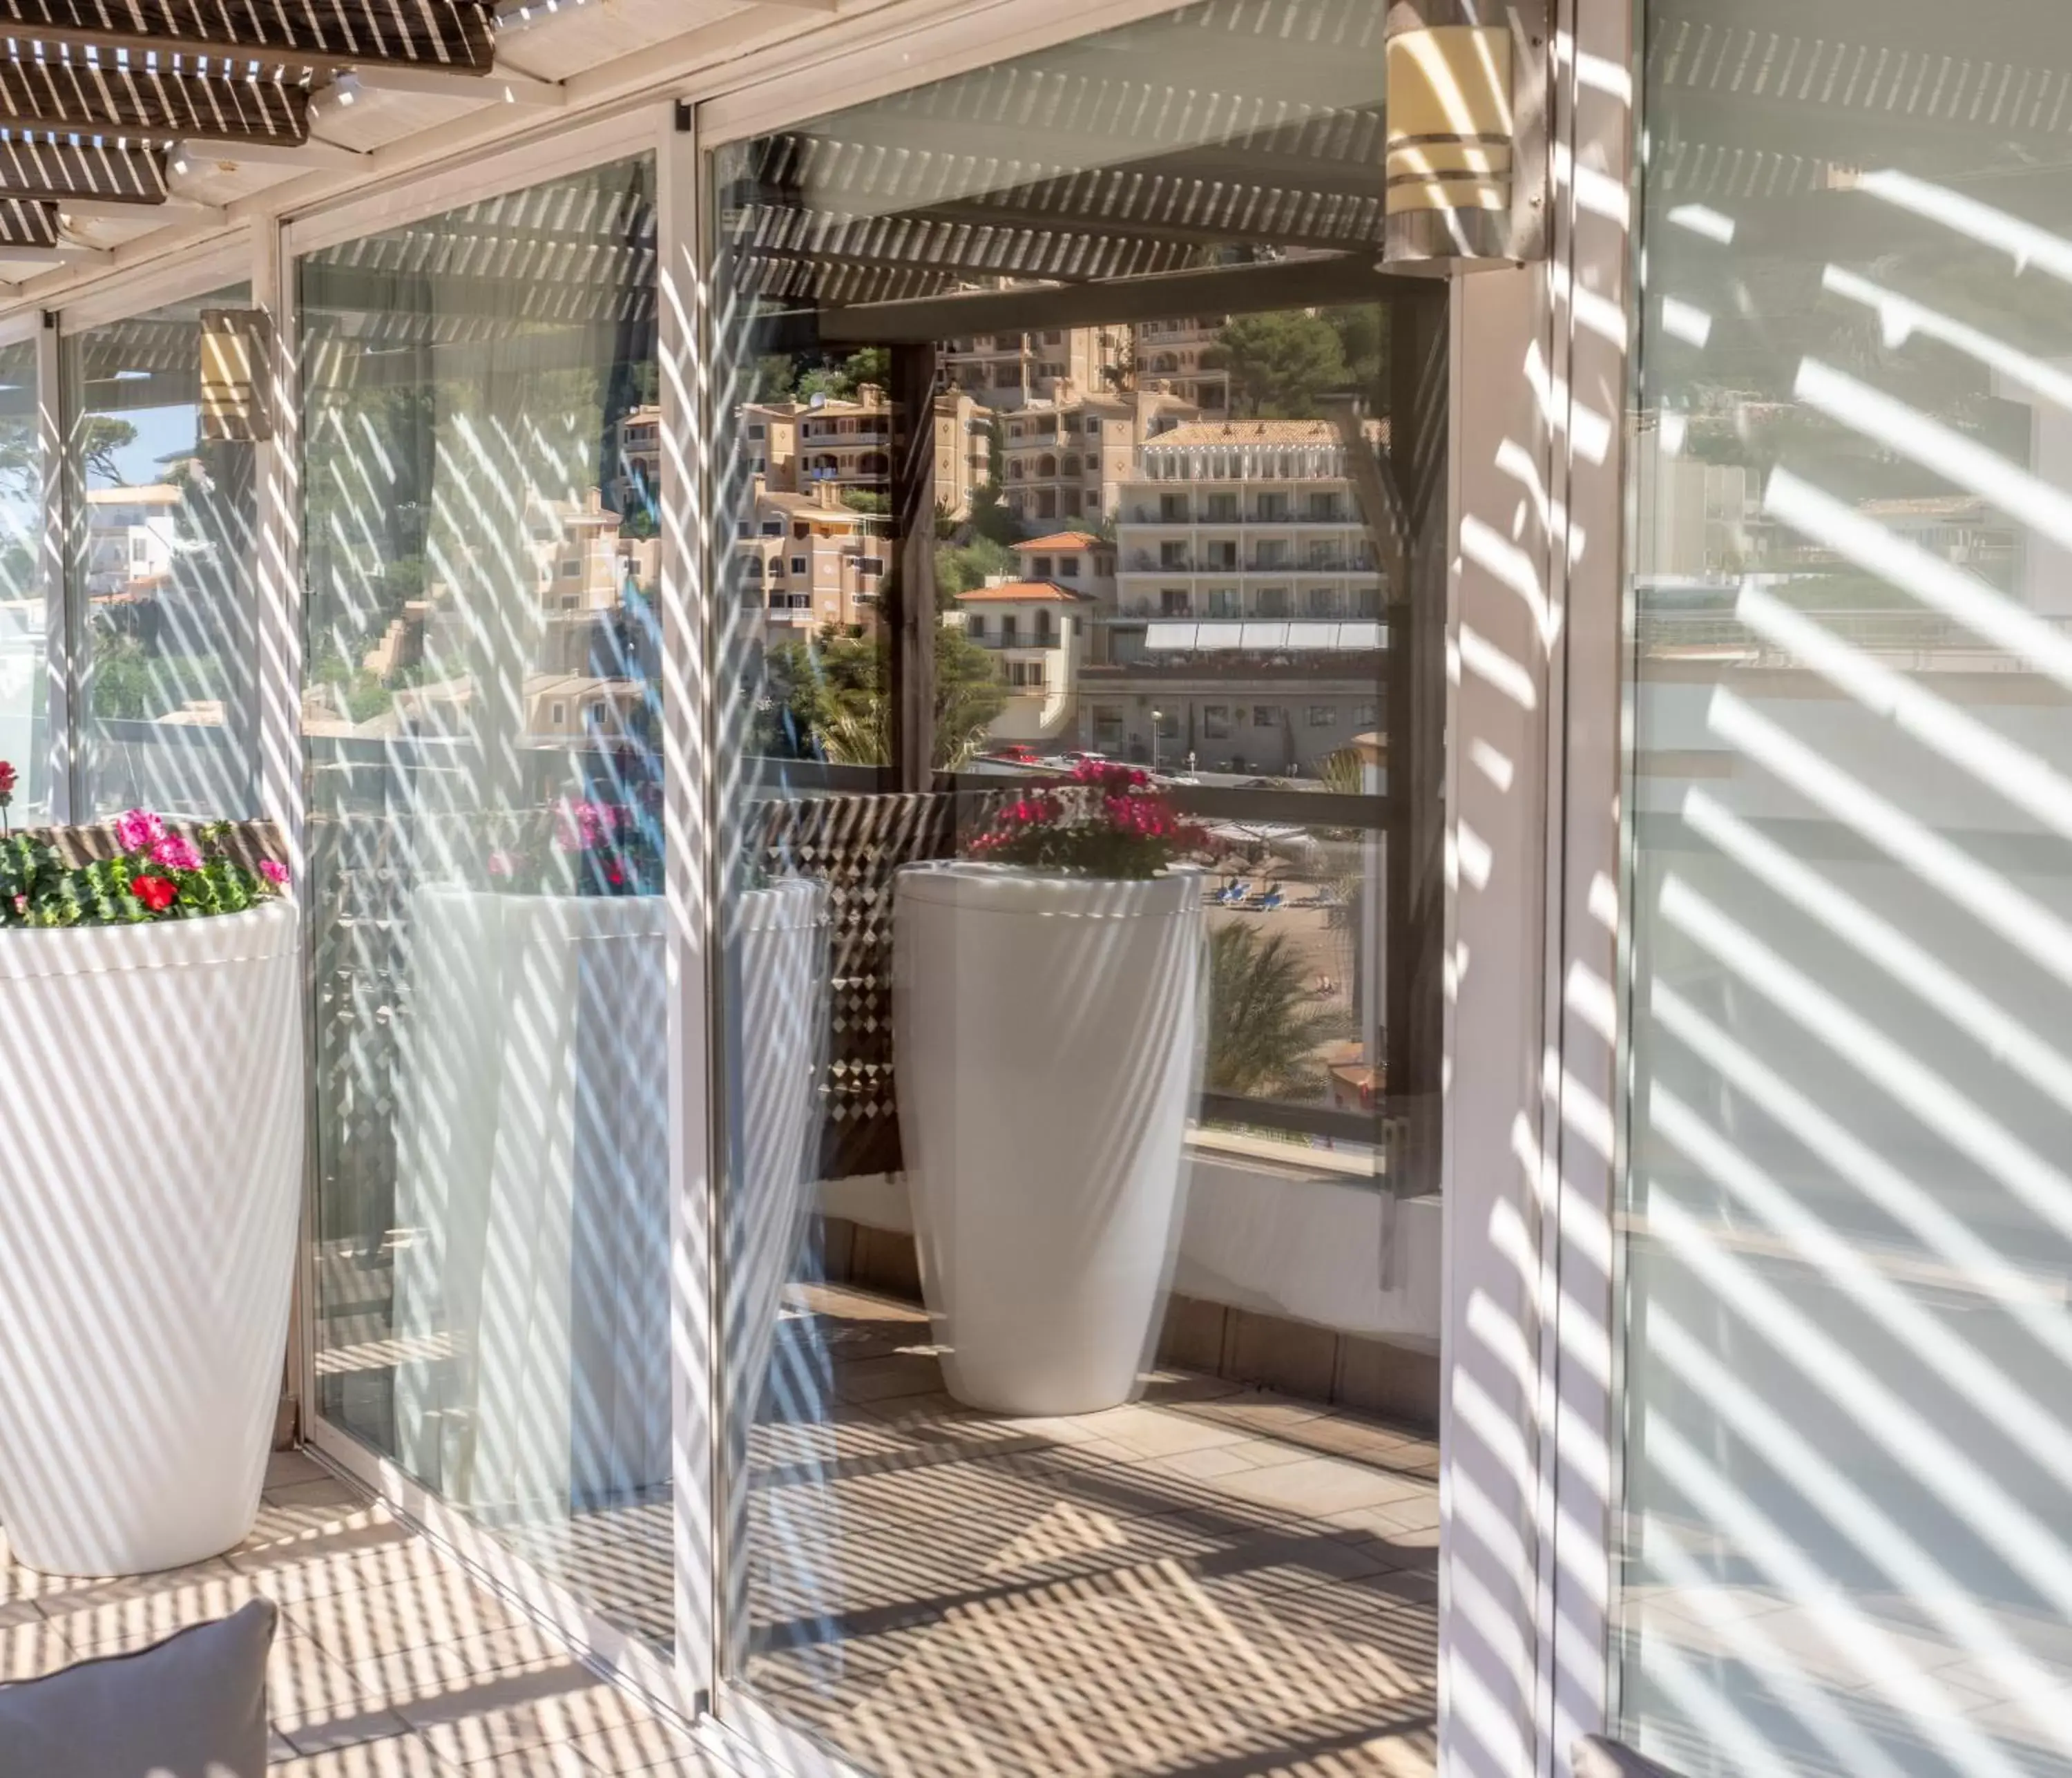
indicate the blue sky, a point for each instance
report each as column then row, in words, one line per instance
column 161, row 432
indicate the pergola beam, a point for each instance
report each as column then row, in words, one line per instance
column 100, row 98
column 339, row 34
column 104, row 210
column 57, row 172
column 505, row 86
column 312, row 156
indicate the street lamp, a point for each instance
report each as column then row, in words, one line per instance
column 1157, row 718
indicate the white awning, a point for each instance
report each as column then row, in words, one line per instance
column 1168, row 636
column 1264, row 638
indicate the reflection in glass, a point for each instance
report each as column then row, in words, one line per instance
column 24, row 682
column 1070, row 627
column 1845, row 1544
column 482, row 717
column 162, row 564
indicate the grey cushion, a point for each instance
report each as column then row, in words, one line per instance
column 1594, row 1756
column 191, row 1706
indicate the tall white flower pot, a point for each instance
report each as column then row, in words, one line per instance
column 151, row 1113
column 533, row 1285
column 1046, row 1048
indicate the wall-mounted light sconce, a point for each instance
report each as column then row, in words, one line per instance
column 237, row 381
column 1456, row 158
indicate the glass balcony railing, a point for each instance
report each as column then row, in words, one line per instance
column 1152, row 515
column 1359, row 606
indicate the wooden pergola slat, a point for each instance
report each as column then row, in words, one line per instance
column 98, row 98
column 54, row 171
column 459, row 34
column 24, row 225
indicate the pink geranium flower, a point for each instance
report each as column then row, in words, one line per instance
column 581, row 826
column 138, row 829
column 175, row 852
column 274, row 872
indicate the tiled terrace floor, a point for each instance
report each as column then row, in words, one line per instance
column 390, row 1662
column 1213, row 1581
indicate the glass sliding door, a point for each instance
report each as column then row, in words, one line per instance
column 24, row 671
column 481, row 717
column 1846, row 1539
column 161, row 573
column 1081, row 677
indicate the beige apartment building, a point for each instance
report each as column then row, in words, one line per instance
column 1081, row 561
column 846, row 443
column 1071, row 458
column 580, row 563
column 964, row 452
column 558, row 706
column 796, row 445
column 132, row 535
column 809, row 561
column 582, row 570
column 1179, row 352
column 1248, row 519
column 1038, row 631
column 636, row 485
column 1008, row 371
column 769, row 434
column 1248, row 602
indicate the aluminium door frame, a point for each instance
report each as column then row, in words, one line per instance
column 1536, row 530
column 1592, row 292
column 674, row 1684
column 38, row 327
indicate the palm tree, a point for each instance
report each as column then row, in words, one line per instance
column 1264, row 1029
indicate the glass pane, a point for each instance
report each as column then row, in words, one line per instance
column 1082, row 1025
column 1847, row 1540
column 24, row 683
column 481, row 722
column 162, row 572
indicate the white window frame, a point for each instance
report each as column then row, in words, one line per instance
column 677, row 1688
column 1589, row 278
column 32, row 325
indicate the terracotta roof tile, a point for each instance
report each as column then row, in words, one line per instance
column 1062, row 539
column 1021, row 592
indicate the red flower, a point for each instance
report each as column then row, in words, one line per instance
column 6, row 781
column 156, row 893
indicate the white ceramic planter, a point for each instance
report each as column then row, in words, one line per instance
column 1046, row 1035
column 151, row 1113
column 532, row 1290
